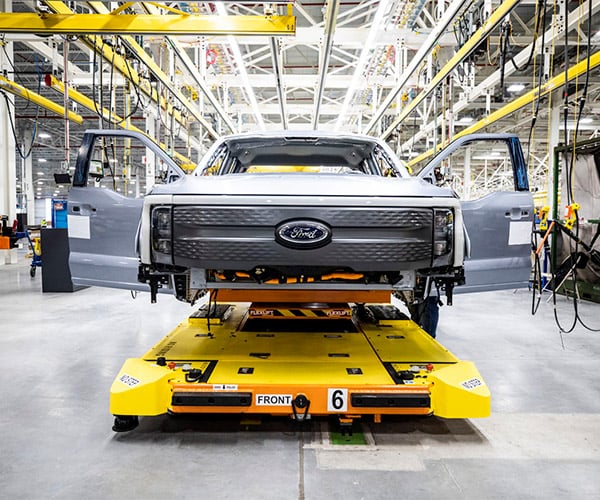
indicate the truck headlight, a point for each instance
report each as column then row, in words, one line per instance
column 443, row 231
column 162, row 229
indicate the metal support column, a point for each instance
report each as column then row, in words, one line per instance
column 8, row 172
column 467, row 181
column 150, row 156
column 27, row 193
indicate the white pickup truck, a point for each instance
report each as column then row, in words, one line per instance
column 306, row 210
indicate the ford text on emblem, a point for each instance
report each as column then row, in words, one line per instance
column 302, row 234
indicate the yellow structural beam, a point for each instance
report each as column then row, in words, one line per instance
column 145, row 24
column 495, row 18
column 86, row 102
column 554, row 83
column 20, row 91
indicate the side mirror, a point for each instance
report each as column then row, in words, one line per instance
column 96, row 169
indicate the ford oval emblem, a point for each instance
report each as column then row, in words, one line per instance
column 303, row 234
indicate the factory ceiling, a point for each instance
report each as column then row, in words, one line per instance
column 415, row 73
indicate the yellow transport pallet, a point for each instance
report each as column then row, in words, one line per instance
column 298, row 360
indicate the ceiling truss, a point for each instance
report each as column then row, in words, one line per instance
column 411, row 72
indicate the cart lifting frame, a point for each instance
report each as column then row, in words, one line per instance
column 298, row 359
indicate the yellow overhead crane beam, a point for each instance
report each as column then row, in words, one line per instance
column 145, row 24
column 20, row 91
column 554, row 83
column 86, row 102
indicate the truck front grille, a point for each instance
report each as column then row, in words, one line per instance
column 243, row 237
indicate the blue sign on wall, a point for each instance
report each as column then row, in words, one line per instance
column 59, row 214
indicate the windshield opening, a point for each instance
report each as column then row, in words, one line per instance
column 284, row 155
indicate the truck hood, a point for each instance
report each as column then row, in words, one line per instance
column 266, row 184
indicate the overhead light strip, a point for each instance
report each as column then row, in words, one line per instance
column 330, row 22
column 369, row 46
column 241, row 67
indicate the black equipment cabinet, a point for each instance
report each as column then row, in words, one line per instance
column 56, row 275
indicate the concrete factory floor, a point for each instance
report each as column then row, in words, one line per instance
column 61, row 351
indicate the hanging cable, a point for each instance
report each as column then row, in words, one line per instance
column 540, row 13
column 504, row 49
column 212, row 308
column 536, row 281
column 22, row 153
column 16, row 74
column 412, row 147
column 570, row 172
column 576, row 259
column 96, row 68
column 112, row 102
column 98, row 95
column 540, row 78
column 566, row 142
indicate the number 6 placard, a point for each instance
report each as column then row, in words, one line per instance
column 337, row 400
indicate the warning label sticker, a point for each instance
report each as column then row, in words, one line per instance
column 225, row 387
column 129, row 380
column 472, row 383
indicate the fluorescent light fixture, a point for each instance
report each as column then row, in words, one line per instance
column 587, row 119
column 42, row 160
column 515, row 87
column 491, row 157
column 40, row 173
column 88, row 80
column 581, row 127
column 466, row 119
column 44, row 135
column 241, row 67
